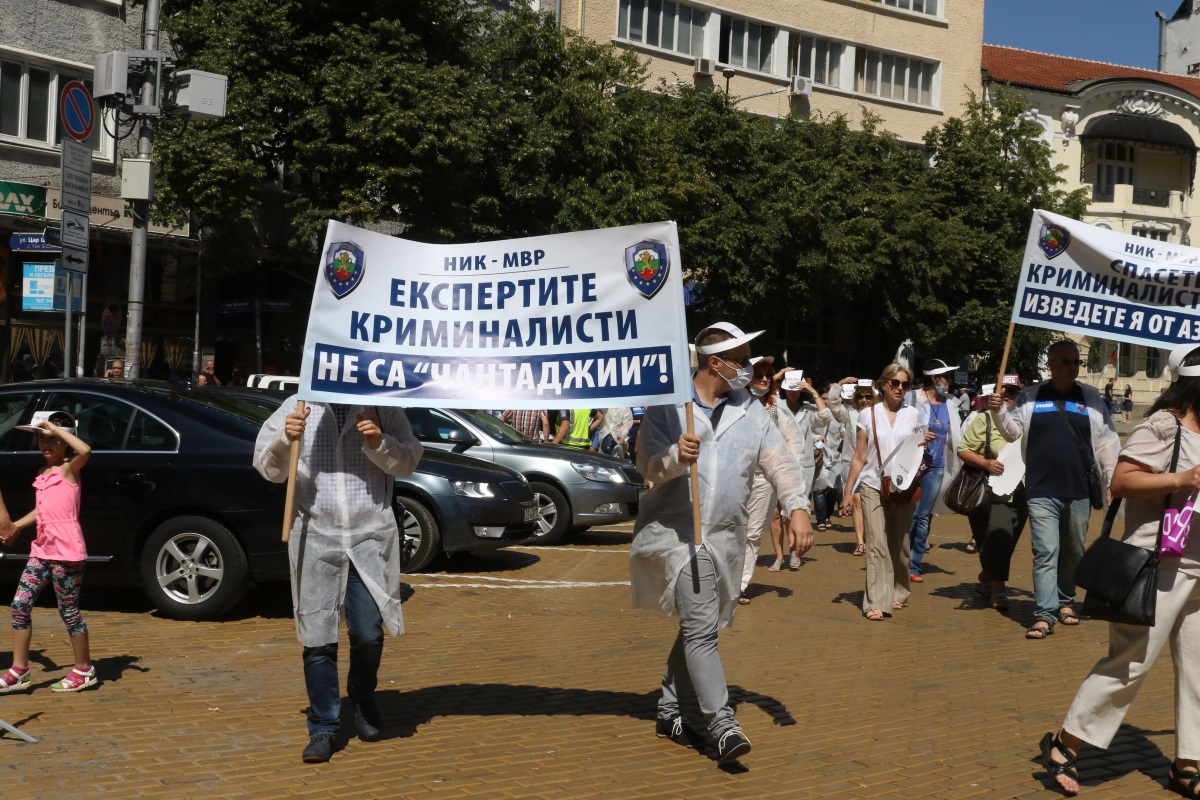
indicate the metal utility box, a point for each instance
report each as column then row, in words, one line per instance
column 112, row 75
column 137, row 179
column 199, row 95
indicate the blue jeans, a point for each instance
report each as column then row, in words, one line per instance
column 918, row 529
column 364, row 623
column 1057, row 529
column 821, row 502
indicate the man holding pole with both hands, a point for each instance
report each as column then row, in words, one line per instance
column 343, row 547
column 694, row 573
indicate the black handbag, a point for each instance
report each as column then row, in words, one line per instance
column 1095, row 475
column 969, row 491
column 1122, row 579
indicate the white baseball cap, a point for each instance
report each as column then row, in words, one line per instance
column 60, row 418
column 1175, row 361
column 740, row 338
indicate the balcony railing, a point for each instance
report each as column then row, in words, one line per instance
column 1102, row 194
column 1152, row 197
column 1122, row 194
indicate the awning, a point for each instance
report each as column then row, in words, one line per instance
column 1137, row 128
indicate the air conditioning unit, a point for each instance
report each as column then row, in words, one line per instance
column 112, row 75
column 800, row 85
column 705, row 66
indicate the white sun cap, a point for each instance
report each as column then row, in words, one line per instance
column 1175, row 361
column 935, row 366
column 769, row 359
column 60, row 418
column 740, row 338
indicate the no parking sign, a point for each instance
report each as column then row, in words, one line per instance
column 75, row 109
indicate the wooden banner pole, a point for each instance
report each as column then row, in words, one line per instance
column 289, row 503
column 694, row 472
column 1012, row 326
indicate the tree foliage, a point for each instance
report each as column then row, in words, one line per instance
column 453, row 124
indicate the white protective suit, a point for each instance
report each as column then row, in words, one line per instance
column 847, row 416
column 805, row 420
column 663, row 533
column 343, row 512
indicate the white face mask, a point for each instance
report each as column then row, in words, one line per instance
column 754, row 390
column 742, row 379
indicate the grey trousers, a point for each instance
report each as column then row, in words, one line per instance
column 694, row 666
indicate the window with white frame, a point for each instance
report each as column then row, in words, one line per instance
column 746, row 44
column 818, row 59
column 1152, row 233
column 29, row 102
column 893, row 77
column 1115, row 163
column 662, row 23
column 929, row 7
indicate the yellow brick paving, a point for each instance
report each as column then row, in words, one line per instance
column 526, row 675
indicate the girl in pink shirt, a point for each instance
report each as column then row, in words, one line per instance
column 56, row 556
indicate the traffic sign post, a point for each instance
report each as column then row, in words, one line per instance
column 78, row 116
column 75, row 176
column 76, row 229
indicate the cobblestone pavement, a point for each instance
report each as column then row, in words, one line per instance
column 525, row 674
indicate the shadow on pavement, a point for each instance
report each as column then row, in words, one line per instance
column 599, row 538
column 405, row 712
column 489, row 561
column 1130, row 751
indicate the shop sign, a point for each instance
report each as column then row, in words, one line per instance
column 37, row 287
column 22, row 198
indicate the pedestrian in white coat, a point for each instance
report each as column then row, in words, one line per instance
column 344, row 548
column 699, row 584
column 941, row 418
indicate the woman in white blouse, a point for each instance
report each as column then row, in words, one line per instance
column 880, row 430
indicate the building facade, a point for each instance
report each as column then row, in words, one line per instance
column 911, row 62
column 1128, row 136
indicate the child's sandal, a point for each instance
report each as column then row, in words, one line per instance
column 12, row 682
column 76, row 681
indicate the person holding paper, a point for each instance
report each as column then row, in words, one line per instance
column 933, row 402
column 1064, row 429
column 344, row 548
column 862, row 399
column 1144, row 477
column 881, row 431
column 699, row 582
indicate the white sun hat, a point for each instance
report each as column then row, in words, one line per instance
column 1175, row 361
column 935, row 366
column 740, row 338
column 60, row 418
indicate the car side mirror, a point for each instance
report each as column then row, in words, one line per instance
column 462, row 439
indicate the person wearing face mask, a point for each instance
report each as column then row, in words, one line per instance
column 762, row 505
column 846, row 413
column 700, row 583
column 799, row 395
column 941, row 456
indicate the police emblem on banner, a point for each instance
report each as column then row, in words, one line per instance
column 1053, row 240
column 646, row 266
column 344, row 263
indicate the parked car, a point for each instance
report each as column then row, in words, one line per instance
column 576, row 489
column 450, row 504
column 171, row 503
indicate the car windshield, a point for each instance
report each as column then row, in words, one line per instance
column 494, row 428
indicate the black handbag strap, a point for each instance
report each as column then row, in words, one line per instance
column 1116, row 505
column 1083, row 453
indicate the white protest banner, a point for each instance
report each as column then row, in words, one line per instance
column 589, row 319
column 1097, row 282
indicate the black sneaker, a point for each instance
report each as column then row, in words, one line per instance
column 678, row 732
column 732, row 745
column 320, row 748
column 367, row 720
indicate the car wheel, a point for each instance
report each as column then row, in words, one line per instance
column 420, row 541
column 554, row 514
column 193, row 568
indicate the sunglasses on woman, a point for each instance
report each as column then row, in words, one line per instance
column 896, row 383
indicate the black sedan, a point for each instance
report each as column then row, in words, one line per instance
column 171, row 503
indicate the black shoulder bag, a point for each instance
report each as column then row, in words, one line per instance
column 969, row 490
column 1121, row 579
column 1095, row 475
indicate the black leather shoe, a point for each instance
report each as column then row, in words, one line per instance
column 732, row 745
column 678, row 732
column 367, row 720
column 320, row 748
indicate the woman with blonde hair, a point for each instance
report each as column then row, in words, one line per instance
column 881, row 429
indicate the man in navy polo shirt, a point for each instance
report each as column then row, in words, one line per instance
column 1056, row 420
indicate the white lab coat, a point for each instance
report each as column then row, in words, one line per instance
column 663, row 534
column 845, row 415
column 920, row 401
column 343, row 512
column 805, row 421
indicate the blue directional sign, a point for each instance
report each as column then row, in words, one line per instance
column 75, row 106
column 30, row 243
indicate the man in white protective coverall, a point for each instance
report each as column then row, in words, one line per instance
column 700, row 584
column 344, row 548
